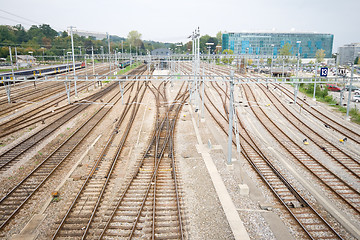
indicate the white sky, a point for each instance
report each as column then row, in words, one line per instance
column 174, row 21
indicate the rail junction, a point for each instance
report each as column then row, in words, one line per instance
column 173, row 153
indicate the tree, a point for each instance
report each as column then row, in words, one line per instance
column 48, row 31
column 219, row 37
column 268, row 61
column 20, row 33
column 228, row 60
column 6, row 34
column 356, row 60
column 134, row 38
column 320, row 55
column 286, row 50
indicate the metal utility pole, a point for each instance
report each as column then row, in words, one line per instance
column 102, row 52
column 73, row 57
column 93, row 62
column 350, row 87
column 17, row 65
column 316, row 67
column 108, row 37
column 122, row 49
column 12, row 67
column 231, row 112
column 297, row 73
column 272, row 59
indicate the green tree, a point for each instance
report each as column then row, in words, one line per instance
column 21, row 34
column 286, row 50
column 356, row 60
column 134, row 38
column 48, row 31
column 219, row 37
column 268, row 61
column 6, row 34
column 228, row 60
column 320, row 55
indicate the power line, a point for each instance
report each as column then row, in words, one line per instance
column 29, row 20
column 15, row 20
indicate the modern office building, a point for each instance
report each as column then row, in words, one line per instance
column 348, row 53
column 266, row 43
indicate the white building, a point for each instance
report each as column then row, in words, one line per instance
column 348, row 53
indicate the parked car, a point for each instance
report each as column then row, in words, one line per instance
column 333, row 87
column 357, row 92
column 356, row 98
column 353, row 88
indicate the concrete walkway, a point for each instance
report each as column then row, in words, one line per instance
column 236, row 224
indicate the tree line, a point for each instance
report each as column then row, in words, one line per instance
column 42, row 40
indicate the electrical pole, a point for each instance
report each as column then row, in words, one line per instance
column 17, row 65
column 297, row 73
column 231, row 112
column 73, row 57
column 12, row 67
column 108, row 37
column 93, row 62
column 350, row 87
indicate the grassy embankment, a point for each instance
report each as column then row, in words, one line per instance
column 322, row 95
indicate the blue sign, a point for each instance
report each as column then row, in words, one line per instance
column 324, row 72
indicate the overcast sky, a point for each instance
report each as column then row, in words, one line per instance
column 174, row 21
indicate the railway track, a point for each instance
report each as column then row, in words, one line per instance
column 344, row 191
column 101, row 218
column 311, row 223
column 11, row 156
column 326, row 119
column 15, row 199
column 14, row 124
column 339, row 158
column 149, row 205
column 100, row 183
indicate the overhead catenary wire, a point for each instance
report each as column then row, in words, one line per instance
column 15, row 15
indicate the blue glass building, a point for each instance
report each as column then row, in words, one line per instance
column 271, row 43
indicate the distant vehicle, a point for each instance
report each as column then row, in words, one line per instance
column 357, row 92
column 353, row 88
column 333, row 87
column 356, row 98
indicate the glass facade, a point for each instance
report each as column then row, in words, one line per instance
column 271, row 43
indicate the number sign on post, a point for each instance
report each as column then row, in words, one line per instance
column 324, row 72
